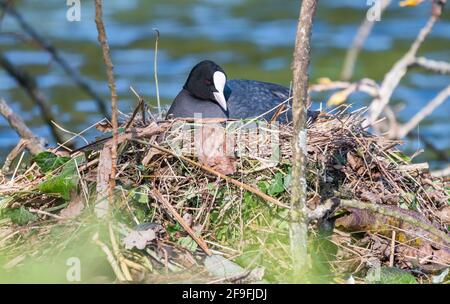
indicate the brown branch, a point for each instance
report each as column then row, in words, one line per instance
column 34, row 143
column 396, row 214
column 21, row 145
column 54, row 53
column 198, row 239
column 300, row 65
column 27, row 82
column 112, row 87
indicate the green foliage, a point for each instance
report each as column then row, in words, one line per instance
column 389, row 275
column 62, row 183
column 188, row 243
column 277, row 185
column 399, row 157
column 140, row 195
column 48, row 161
column 19, row 216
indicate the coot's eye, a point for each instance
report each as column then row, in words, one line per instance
column 208, row 82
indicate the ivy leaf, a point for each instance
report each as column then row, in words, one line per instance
column 188, row 243
column 48, row 161
column 389, row 275
column 20, row 216
column 140, row 195
column 63, row 183
column 277, row 185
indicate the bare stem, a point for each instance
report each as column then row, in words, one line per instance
column 299, row 223
column 112, row 87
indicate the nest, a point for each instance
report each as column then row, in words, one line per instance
column 177, row 206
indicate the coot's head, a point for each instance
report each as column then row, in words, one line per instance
column 207, row 81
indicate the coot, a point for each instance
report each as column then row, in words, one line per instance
column 208, row 92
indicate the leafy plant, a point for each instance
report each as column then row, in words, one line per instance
column 48, row 161
column 63, row 183
column 19, row 216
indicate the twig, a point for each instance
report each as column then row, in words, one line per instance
column 22, row 144
column 198, row 239
column 17, row 168
column 42, row 212
column 156, row 72
column 112, row 87
column 392, row 256
column 358, row 41
column 47, row 46
column 118, row 254
column 34, row 143
column 441, row 67
column 424, row 112
column 110, row 257
column 27, row 82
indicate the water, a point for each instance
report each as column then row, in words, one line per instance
column 251, row 39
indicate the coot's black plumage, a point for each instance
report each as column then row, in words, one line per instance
column 207, row 92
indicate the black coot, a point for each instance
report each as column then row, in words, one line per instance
column 207, row 92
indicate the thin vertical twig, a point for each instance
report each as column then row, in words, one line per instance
column 155, row 64
column 102, row 38
column 299, row 221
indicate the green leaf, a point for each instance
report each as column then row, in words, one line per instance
column 20, row 216
column 63, row 183
column 48, row 161
column 399, row 157
column 389, row 275
column 263, row 186
column 188, row 243
column 277, row 185
column 140, row 195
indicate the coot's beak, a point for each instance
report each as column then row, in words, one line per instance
column 220, row 80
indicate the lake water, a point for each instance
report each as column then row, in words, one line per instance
column 251, row 39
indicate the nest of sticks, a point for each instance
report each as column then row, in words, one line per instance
column 176, row 208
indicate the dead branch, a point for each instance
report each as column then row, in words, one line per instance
column 198, row 239
column 441, row 67
column 396, row 214
column 112, row 87
column 54, row 53
column 300, row 65
column 33, row 143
